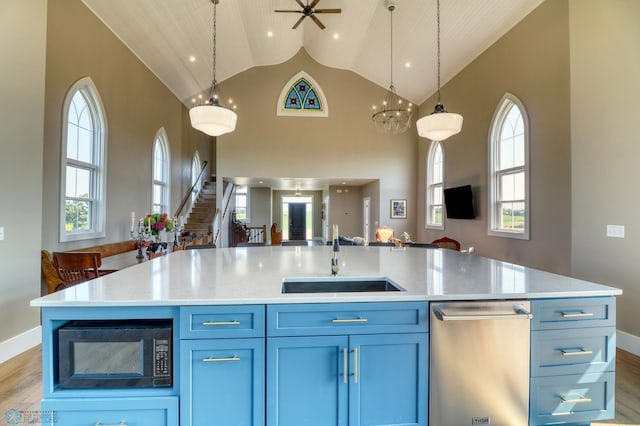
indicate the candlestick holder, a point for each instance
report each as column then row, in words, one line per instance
column 141, row 235
column 177, row 230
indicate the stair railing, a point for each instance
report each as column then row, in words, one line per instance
column 194, row 188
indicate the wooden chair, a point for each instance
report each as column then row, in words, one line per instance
column 77, row 267
column 276, row 235
column 448, row 243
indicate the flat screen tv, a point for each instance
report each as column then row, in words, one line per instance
column 458, row 202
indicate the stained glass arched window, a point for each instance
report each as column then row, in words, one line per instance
column 302, row 96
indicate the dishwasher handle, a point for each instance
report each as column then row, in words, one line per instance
column 518, row 312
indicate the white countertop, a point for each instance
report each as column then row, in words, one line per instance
column 254, row 275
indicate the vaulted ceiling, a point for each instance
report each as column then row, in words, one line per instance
column 174, row 38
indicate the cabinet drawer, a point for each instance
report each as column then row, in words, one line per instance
column 573, row 313
column 572, row 399
column 347, row 318
column 573, row 351
column 161, row 411
column 237, row 321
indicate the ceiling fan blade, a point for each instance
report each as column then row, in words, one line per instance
column 289, row 11
column 327, row 11
column 300, row 3
column 299, row 21
column 313, row 3
column 317, row 21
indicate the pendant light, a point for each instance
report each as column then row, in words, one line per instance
column 213, row 118
column 440, row 124
column 392, row 117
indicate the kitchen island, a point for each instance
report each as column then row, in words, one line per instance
column 284, row 365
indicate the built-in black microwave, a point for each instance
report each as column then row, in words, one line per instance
column 115, row 354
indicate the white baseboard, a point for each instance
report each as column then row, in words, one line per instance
column 628, row 342
column 20, row 343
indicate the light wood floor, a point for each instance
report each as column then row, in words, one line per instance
column 21, row 386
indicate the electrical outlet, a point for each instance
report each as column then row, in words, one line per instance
column 1, row 233
column 615, row 231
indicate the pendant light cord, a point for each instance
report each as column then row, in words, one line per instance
column 438, row 27
column 214, row 83
column 391, row 9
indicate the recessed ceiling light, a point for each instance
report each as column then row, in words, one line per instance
column 269, row 33
column 336, row 36
column 407, row 64
column 192, row 58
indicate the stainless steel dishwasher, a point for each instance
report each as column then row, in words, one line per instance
column 479, row 363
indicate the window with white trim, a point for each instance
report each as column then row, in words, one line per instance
column 509, row 170
column 435, row 181
column 160, row 190
column 242, row 203
column 83, row 164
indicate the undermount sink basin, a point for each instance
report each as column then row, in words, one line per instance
column 338, row 285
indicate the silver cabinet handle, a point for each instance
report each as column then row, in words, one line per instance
column 581, row 314
column 579, row 400
column 571, row 352
column 212, row 359
column 355, row 365
column 350, row 320
column 345, row 366
column 214, row 323
column 519, row 312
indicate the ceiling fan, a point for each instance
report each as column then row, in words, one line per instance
column 308, row 10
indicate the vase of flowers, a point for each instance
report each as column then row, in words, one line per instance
column 158, row 225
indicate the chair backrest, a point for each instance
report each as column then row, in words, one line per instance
column 448, row 243
column 77, row 267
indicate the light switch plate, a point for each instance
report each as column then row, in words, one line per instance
column 615, row 231
column 1, row 233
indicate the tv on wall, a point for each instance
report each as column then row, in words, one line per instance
column 458, row 202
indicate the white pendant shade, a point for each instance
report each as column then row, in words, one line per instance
column 213, row 120
column 438, row 126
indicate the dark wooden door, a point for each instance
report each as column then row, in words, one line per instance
column 297, row 221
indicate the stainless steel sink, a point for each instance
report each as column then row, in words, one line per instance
column 338, row 285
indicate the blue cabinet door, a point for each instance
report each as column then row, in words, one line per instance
column 389, row 384
column 307, row 383
column 222, row 382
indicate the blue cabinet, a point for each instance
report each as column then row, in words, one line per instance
column 573, row 350
column 222, row 378
column 154, row 411
column 330, row 377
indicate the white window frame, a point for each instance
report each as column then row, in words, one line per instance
column 431, row 185
column 243, row 192
column 97, row 168
column 504, row 106
column 161, row 142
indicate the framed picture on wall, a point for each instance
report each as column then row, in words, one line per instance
column 398, row 209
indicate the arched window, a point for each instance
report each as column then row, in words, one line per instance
column 509, row 170
column 160, row 194
column 302, row 96
column 83, row 164
column 435, row 181
column 195, row 172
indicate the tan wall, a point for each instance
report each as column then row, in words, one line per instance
column 136, row 104
column 22, row 49
column 343, row 145
column 532, row 62
column 605, row 101
column 346, row 210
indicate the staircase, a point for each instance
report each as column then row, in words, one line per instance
column 204, row 209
